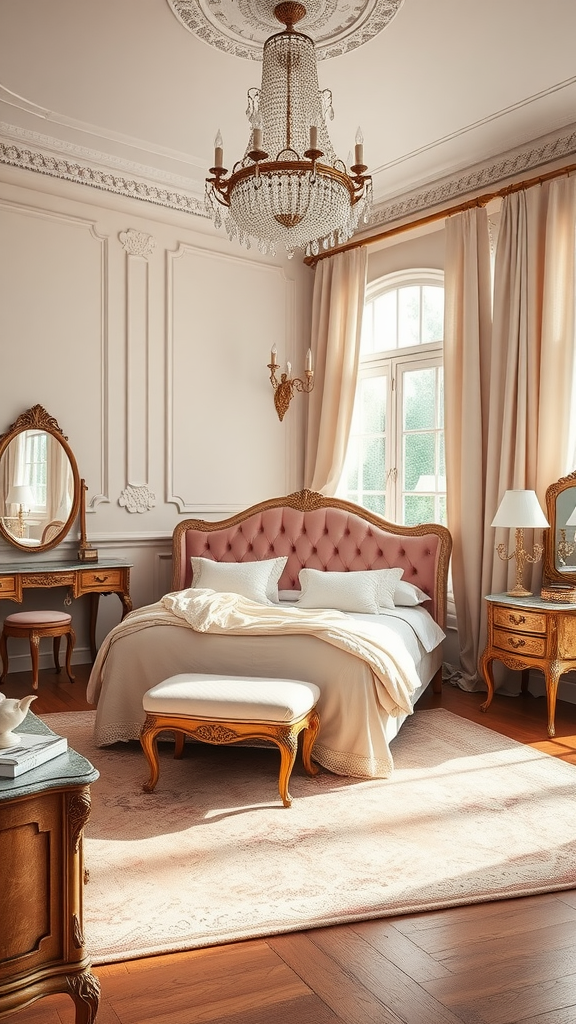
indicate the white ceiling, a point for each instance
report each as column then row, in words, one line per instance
column 123, row 84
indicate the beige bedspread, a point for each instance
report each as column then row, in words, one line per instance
column 366, row 671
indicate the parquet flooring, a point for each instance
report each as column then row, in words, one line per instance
column 508, row 962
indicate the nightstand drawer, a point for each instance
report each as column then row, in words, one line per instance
column 520, row 620
column 101, row 579
column 532, row 646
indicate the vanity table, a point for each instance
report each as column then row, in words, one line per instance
column 40, row 482
column 42, row 949
column 107, row 576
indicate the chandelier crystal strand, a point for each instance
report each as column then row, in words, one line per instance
column 290, row 187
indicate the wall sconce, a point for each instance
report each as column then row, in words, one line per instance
column 520, row 510
column 285, row 387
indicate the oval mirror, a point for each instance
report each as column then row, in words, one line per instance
column 560, row 539
column 39, row 482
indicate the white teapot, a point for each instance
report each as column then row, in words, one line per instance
column 12, row 712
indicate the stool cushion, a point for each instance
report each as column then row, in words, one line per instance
column 38, row 618
column 232, row 698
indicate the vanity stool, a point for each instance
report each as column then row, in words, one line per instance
column 231, row 709
column 33, row 626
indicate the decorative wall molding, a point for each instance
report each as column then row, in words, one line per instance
column 137, row 243
column 480, row 178
column 138, row 246
column 137, row 498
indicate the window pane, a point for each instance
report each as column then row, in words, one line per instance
column 385, row 325
column 418, row 508
column 441, row 397
column 441, row 462
column 408, row 316
column 350, row 474
column 375, row 503
column 367, row 334
column 373, row 463
column 419, row 458
column 372, row 405
column 419, row 398
column 432, row 313
column 441, row 516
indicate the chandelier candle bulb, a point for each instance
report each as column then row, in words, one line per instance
column 273, row 354
column 257, row 138
column 359, row 148
column 313, row 137
column 309, row 361
column 218, row 150
column 288, row 370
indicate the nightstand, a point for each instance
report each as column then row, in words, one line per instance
column 525, row 633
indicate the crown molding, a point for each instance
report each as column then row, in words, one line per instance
column 33, row 151
column 528, row 158
column 538, row 153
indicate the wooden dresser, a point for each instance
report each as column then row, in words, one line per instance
column 525, row 633
column 42, row 817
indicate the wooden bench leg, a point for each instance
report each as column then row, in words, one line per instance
column 148, row 735
column 308, row 740
column 287, row 741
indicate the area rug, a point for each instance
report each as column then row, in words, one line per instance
column 212, row 856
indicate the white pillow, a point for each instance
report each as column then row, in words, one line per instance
column 408, row 595
column 362, row 591
column 257, row 581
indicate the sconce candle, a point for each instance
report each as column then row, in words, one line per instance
column 285, row 387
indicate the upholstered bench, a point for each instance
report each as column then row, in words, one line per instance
column 231, row 709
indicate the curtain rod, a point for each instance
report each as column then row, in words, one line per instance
column 481, row 200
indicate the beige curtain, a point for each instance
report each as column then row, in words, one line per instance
column 337, row 305
column 467, row 337
column 531, row 372
column 533, row 334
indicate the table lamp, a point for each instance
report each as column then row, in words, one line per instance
column 21, row 495
column 520, row 510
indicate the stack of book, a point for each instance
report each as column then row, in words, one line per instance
column 31, row 750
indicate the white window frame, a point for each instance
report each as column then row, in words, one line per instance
column 391, row 364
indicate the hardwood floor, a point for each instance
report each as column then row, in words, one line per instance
column 508, row 962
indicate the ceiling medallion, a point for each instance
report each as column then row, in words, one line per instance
column 241, row 27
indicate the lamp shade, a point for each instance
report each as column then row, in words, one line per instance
column 520, row 509
column 20, row 494
column 571, row 521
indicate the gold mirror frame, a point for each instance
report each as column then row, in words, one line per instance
column 560, row 538
column 37, row 418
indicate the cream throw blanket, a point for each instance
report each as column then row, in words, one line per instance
column 207, row 611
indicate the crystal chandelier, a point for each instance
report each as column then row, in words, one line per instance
column 289, row 188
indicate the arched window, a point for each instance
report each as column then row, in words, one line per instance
column 395, row 458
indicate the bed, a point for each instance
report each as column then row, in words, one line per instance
column 301, row 586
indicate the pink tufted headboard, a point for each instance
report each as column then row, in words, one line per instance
column 319, row 533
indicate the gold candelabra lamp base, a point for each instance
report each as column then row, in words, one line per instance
column 521, row 557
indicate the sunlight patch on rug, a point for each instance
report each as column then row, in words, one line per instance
column 212, row 856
